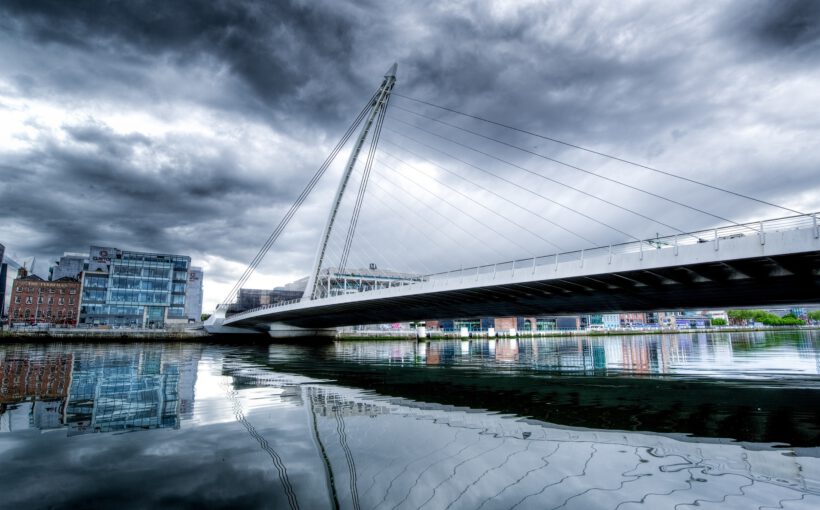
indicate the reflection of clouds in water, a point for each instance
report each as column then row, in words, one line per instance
column 403, row 454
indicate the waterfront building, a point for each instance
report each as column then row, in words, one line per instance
column 668, row 319
column 248, row 299
column 611, row 320
column 572, row 322
column 333, row 282
column 3, row 270
column 134, row 289
column 193, row 295
column 70, row 265
column 38, row 301
column 633, row 319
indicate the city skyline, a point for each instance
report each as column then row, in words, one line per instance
column 196, row 140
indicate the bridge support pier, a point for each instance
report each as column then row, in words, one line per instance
column 282, row 330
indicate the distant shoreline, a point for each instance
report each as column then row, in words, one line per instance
column 116, row 335
column 452, row 335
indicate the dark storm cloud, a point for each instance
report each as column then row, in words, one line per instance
column 789, row 24
column 277, row 49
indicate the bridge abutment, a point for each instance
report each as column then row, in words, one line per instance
column 281, row 330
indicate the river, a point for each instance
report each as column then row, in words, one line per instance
column 702, row 420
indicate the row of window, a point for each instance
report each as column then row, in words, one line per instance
column 134, row 296
column 19, row 313
column 50, row 301
column 94, row 295
column 176, row 312
column 111, row 310
column 144, row 272
column 50, row 290
column 140, row 284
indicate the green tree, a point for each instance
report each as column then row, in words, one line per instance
column 719, row 322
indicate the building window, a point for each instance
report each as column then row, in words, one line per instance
column 62, row 291
column 51, row 291
column 71, row 300
column 61, row 301
column 51, row 300
column 72, row 291
column 28, row 300
column 19, row 289
column 40, row 300
column 17, row 300
column 28, row 313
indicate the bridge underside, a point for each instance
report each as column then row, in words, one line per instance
column 760, row 281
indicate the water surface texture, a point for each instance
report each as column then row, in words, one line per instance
column 678, row 421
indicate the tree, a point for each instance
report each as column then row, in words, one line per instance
column 719, row 322
column 204, row 317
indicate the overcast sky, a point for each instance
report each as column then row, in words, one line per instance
column 190, row 126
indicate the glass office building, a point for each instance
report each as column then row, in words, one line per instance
column 134, row 289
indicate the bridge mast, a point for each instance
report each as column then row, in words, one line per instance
column 378, row 104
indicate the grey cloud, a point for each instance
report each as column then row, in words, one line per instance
column 276, row 49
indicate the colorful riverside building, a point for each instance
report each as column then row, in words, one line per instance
column 38, row 301
column 134, row 289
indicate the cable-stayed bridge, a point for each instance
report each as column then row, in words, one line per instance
column 562, row 232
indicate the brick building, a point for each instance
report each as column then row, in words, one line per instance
column 38, row 301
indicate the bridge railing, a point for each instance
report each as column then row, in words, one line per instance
column 714, row 235
column 537, row 264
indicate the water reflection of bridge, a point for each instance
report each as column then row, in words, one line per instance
column 399, row 453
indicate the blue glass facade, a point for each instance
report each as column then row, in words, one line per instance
column 134, row 289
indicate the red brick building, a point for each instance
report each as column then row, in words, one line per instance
column 38, row 301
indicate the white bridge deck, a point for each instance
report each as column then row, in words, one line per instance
column 770, row 262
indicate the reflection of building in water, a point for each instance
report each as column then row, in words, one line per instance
column 137, row 390
column 93, row 392
column 32, row 390
column 506, row 350
column 331, row 403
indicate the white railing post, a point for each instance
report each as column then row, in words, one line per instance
column 461, row 278
column 556, row 264
column 814, row 223
column 533, row 265
column 512, row 273
column 676, row 244
column 717, row 241
column 641, row 245
column 477, row 268
column 610, row 255
column 495, row 268
column 762, row 234
column 581, row 263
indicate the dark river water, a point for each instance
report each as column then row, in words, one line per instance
column 680, row 421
